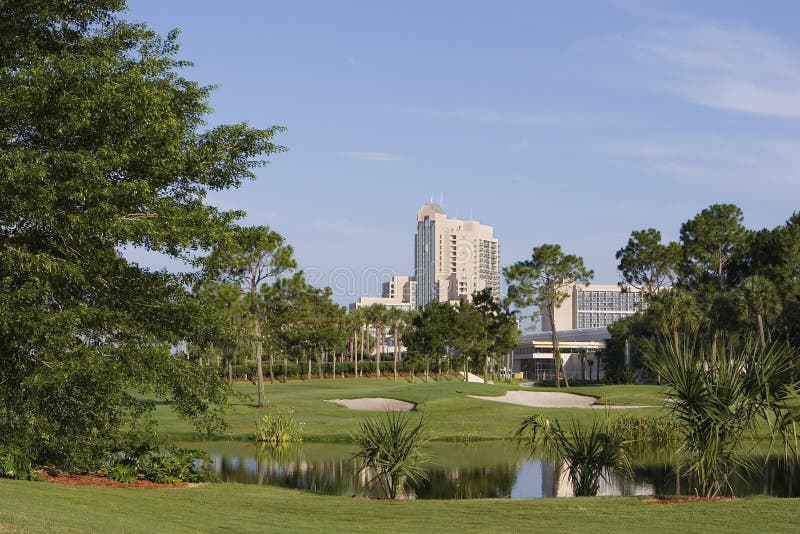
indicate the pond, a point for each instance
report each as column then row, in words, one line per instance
column 484, row 469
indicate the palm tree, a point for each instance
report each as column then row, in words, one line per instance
column 391, row 449
column 397, row 318
column 762, row 300
column 589, row 453
column 719, row 403
column 673, row 312
column 377, row 316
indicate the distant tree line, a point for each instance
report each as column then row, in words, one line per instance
column 720, row 283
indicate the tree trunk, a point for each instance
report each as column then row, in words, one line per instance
column 763, row 337
column 558, row 364
column 714, row 339
column 319, row 363
column 309, row 368
column 378, row 349
column 334, row 364
column 285, row 368
column 271, row 367
column 396, row 350
column 230, row 371
column 257, row 349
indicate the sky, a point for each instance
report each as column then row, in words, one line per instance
column 554, row 122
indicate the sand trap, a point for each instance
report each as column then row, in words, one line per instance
column 377, row 404
column 546, row 399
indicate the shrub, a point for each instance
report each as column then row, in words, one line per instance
column 619, row 374
column 176, row 465
column 122, row 471
column 16, row 464
column 279, row 427
column 164, row 466
column 390, row 449
column 646, row 432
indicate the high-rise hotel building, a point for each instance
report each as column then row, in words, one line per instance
column 453, row 258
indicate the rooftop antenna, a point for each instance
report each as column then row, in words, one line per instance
column 470, row 214
column 431, row 198
column 441, row 199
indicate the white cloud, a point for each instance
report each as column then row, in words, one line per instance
column 728, row 67
column 760, row 166
column 513, row 118
column 373, row 156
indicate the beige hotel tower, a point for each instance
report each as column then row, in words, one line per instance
column 453, row 258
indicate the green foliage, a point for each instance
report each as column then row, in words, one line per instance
column 123, row 472
column 279, row 427
column 16, row 465
column 104, row 150
column 588, row 452
column 390, row 451
column 618, row 374
column 431, row 334
column 647, row 264
column 643, row 434
column 719, row 402
column 164, row 466
column 176, row 465
column 709, row 242
column 543, row 282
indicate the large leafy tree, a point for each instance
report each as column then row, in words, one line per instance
column 646, row 263
column 711, row 241
column 472, row 338
column 502, row 324
column 431, row 334
column 543, row 283
column 102, row 147
column 256, row 255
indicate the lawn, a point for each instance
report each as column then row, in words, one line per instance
column 451, row 413
column 40, row 507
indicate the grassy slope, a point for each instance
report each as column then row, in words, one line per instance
column 452, row 414
column 29, row 506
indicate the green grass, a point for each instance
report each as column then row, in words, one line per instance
column 451, row 413
column 40, row 507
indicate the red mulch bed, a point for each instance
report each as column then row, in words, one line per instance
column 102, row 482
column 680, row 500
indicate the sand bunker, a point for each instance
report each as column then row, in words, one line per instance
column 377, row 404
column 546, row 399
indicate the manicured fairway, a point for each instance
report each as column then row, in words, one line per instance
column 41, row 507
column 452, row 414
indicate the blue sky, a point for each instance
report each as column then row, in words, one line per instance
column 554, row 122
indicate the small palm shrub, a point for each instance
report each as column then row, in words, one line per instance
column 721, row 402
column 390, row 450
column 279, row 427
column 589, row 453
column 16, row 464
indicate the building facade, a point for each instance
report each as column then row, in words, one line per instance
column 453, row 258
column 594, row 306
column 533, row 356
column 399, row 292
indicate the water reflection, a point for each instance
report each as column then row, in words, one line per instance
column 476, row 471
